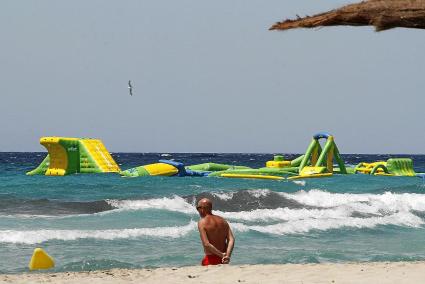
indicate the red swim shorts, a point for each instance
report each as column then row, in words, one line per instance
column 211, row 260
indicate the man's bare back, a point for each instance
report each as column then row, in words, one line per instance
column 216, row 229
column 216, row 236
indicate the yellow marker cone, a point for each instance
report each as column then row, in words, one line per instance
column 41, row 260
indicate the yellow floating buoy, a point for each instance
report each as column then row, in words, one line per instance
column 41, row 260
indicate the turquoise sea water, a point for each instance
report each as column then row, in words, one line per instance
column 101, row 221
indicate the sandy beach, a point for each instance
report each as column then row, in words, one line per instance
column 378, row 272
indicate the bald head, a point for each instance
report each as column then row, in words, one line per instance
column 205, row 205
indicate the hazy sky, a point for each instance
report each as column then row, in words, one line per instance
column 208, row 76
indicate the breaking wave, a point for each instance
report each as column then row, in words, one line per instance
column 368, row 203
column 322, row 224
column 40, row 236
column 260, row 210
column 175, row 203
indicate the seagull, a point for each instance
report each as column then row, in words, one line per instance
column 130, row 88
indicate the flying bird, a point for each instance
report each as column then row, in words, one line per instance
column 130, row 88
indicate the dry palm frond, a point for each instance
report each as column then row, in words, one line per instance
column 383, row 14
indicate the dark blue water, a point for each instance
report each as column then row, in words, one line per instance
column 98, row 221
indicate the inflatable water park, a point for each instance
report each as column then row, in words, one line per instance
column 85, row 155
column 321, row 159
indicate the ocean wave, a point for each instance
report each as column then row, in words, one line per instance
column 46, row 207
column 265, row 205
column 260, row 210
column 309, row 224
column 175, row 203
column 223, row 195
column 242, row 200
column 257, row 193
column 285, row 214
column 317, row 210
column 368, row 203
column 295, row 226
column 40, row 236
column 246, row 200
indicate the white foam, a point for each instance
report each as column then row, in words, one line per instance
column 323, row 211
column 335, row 211
column 285, row 214
column 368, row 203
column 39, row 236
column 224, row 195
column 239, row 227
column 308, row 224
column 299, row 182
column 257, row 193
column 177, row 204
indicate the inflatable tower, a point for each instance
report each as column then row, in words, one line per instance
column 320, row 160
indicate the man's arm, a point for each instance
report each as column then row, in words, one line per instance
column 206, row 243
column 230, row 244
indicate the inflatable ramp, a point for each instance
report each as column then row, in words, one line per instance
column 74, row 155
column 393, row 167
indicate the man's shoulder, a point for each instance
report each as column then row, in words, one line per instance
column 219, row 220
column 212, row 218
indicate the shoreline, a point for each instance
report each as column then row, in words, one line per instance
column 362, row 272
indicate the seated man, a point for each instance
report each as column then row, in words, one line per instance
column 216, row 235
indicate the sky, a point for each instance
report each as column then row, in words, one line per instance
column 208, row 76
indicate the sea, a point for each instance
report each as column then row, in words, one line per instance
column 103, row 221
